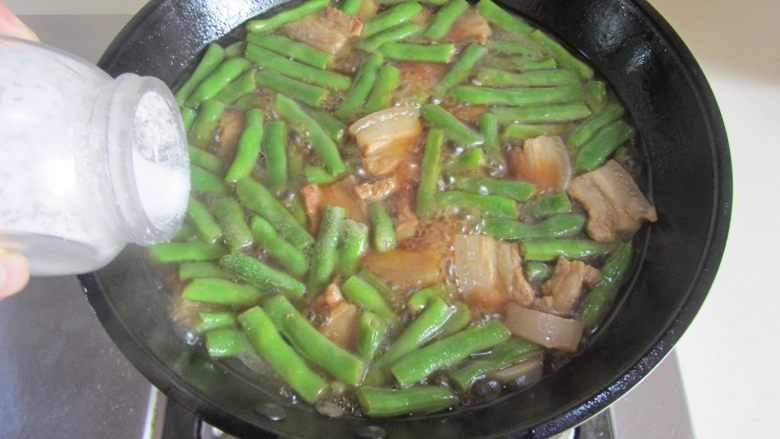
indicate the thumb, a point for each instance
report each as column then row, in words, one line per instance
column 14, row 273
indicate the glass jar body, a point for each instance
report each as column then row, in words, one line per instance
column 68, row 197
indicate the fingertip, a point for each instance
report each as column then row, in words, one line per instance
column 14, row 274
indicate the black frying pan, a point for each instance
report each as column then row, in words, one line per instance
column 689, row 179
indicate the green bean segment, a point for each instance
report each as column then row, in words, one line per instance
column 590, row 126
column 536, row 78
column 312, row 344
column 461, row 69
column 380, row 402
column 536, row 271
column 397, row 33
column 391, row 17
column 290, row 258
column 205, row 182
column 193, row 270
column 542, row 113
column 257, row 198
column 241, row 87
column 364, row 82
column 519, row 97
column 430, row 172
column 419, row 300
column 215, row 320
column 211, row 59
column 525, row 48
column 460, row 320
column 220, row 292
column 503, row 19
column 418, row 365
column 206, row 226
column 418, row 52
column 353, row 246
column 453, row 128
column 268, row 24
column 372, row 331
column 267, row 342
column 362, row 293
column 223, row 75
column 595, row 152
column 205, row 126
column 444, row 18
column 613, row 273
column 306, row 93
column 383, row 234
column 308, row 74
column 488, row 127
column 564, row 56
column 552, row 249
column 324, row 253
column 186, row 251
column 513, row 189
column 322, row 144
column 261, row 275
column 548, row 204
column 248, row 147
column 386, row 83
column 484, row 205
column 205, row 160
column 274, row 149
column 558, row 226
column 519, row 131
column 226, row 342
column 511, row 351
column 300, row 52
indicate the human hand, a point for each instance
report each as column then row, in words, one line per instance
column 10, row 25
column 14, row 268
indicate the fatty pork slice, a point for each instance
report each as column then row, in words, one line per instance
column 327, row 31
column 470, row 27
column 488, row 273
column 339, row 317
column 564, row 289
column 543, row 161
column 418, row 78
column 342, row 193
column 615, row 205
column 388, row 138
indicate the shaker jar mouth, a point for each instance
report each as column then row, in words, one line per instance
column 147, row 158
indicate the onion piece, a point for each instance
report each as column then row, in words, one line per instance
column 522, row 374
column 387, row 138
column 469, row 27
column 545, row 329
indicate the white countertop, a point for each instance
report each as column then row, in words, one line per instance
column 733, row 387
column 732, row 384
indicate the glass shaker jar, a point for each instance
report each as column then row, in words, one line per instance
column 88, row 163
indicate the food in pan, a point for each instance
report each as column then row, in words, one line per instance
column 402, row 207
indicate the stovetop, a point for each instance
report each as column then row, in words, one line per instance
column 61, row 376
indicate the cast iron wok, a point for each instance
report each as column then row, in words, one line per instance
column 688, row 177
